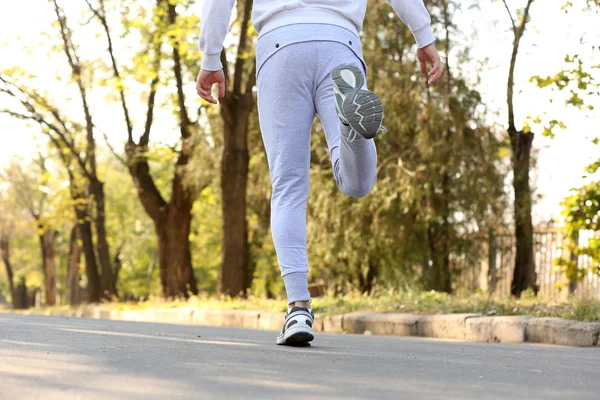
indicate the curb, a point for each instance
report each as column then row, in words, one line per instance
column 563, row 332
column 463, row 327
column 450, row 326
column 382, row 324
column 497, row 329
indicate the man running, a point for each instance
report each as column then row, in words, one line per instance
column 309, row 62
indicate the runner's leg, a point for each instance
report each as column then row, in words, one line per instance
column 354, row 158
column 286, row 112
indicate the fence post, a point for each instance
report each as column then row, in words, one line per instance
column 574, row 258
column 492, row 270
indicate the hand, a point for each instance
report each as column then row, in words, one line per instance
column 429, row 54
column 206, row 80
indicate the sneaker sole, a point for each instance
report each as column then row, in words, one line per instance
column 298, row 338
column 360, row 109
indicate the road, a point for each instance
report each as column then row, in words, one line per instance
column 62, row 358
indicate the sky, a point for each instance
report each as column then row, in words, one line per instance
column 552, row 35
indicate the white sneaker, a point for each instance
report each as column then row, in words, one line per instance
column 357, row 107
column 297, row 328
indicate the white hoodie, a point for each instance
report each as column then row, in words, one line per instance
column 272, row 14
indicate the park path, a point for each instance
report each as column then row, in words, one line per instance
column 62, row 358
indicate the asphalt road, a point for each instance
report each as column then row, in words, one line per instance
column 61, row 358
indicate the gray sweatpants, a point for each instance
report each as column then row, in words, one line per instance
column 293, row 86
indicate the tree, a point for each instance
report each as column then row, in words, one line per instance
column 172, row 218
column 6, row 229
column 76, row 147
column 521, row 142
column 582, row 208
column 582, row 212
column 73, row 274
column 89, row 167
column 236, row 109
column 578, row 81
column 439, row 175
column 62, row 133
column 12, row 247
column 29, row 183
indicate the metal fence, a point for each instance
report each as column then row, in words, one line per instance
column 495, row 270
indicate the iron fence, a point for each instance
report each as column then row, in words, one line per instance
column 494, row 271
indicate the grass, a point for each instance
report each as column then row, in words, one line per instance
column 580, row 309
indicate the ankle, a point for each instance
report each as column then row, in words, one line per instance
column 305, row 304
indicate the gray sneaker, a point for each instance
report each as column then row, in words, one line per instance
column 357, row 107
column 297, row 328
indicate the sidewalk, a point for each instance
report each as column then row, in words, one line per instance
column 463, row 327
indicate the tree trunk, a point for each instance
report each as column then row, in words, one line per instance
column 524, row 276
column 367, row 281
column 73, row 274
column 108, row 279
column 446, row 274
column 175, row 260
column 118, row 264
column 94, row 286
column 172, row 223
column 235, row 113
column 47, row 246
column 233, row 279
column 439, row 277
column 21, row 299
column 5, row 253
column 444, row 278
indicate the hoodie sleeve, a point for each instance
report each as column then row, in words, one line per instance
column 414, row 14
column 216, row 15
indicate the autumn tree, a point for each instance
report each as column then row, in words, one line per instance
column 6, row 231
column 29, row 184
column 18, row 248
column 75, row 143
column 166, row 58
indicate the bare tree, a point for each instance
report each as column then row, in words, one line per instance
column 521, row 142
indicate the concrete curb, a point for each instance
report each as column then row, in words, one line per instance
column 563, row 332
column 450, row 326
column 497, row 329
column 464, row 327
column 381, row 324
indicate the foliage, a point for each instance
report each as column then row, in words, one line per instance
column 38, row 191
column 579, row 79
column 24, row 248
column 439, row 177
column 582, row 213
column 575, row 78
